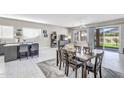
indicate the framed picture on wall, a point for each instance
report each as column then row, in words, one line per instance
column 45, row 33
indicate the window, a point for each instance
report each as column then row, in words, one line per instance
column 6, row 32
column 31, row 33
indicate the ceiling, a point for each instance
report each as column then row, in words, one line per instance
column 66, row 20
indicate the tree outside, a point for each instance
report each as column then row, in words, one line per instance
column 116, row 41
column 108, row 40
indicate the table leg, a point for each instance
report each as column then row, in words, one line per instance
column 57, row 58
column 82, row 71
column 85, row 70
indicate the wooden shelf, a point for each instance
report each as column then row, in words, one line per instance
column 53, row 38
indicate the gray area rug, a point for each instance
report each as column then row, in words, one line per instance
column 50, row 70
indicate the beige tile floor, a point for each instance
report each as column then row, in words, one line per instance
column 27, row 68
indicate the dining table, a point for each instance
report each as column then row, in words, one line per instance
column 84, row 58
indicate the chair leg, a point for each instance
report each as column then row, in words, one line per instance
column 67, row 70
column 31, row 55
column 63, row 64
column 100, row 73
column 20, row 56
column 76, row 73
column 95, row 74
column 60, row 65
column 88, row 71
column 57, row 60
column 27, row 54
column 37, row 53
column 73, row 69
column 82, row 72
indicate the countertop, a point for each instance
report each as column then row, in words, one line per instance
column 6, row 45
column 18, row 44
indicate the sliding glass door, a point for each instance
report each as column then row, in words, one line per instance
column 107, row 38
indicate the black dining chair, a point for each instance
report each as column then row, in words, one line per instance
column 97, row 67
column 34, row 50
column 23, row 51
column 73, row 62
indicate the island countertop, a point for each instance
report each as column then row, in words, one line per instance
column 6, row 45
column 18, row 44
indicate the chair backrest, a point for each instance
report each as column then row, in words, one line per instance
column 63, row 55
column 77, row 47
column 87, row 50
column 60, row 44
column 23, row 48
column 34, row 47
column 71, row 56
column 98, row 61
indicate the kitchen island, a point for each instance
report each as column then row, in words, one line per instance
column 11, row 51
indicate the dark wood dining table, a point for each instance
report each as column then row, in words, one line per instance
column 83, row 58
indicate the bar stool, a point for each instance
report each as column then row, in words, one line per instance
column 34, row 50
column 23, row 51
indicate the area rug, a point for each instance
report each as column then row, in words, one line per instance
column 50, row 70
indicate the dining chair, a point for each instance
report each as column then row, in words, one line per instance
column 97, row 67
column 23, row 51
column 87, row 50
column 63, row 58
column 78, row 48
column 73, row 62
column 34, row 50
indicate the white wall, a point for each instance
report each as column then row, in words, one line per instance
column 44, row 42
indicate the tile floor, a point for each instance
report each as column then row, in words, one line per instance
column 114, row 61
column 29, row 69
column 26, row 68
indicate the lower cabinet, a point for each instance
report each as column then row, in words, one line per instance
column 10, row 53
column 1, row 49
